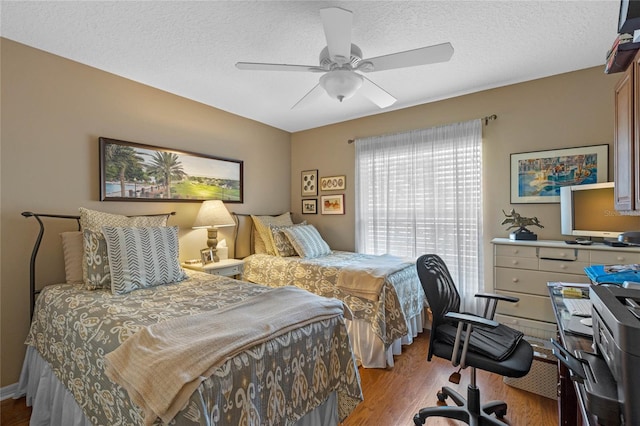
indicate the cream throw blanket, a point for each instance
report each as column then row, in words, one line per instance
column 162, row 365
column 367, row 277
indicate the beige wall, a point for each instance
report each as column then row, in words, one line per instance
column 568, row 110
column 53, row 111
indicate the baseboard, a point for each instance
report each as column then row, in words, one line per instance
column 8, row 391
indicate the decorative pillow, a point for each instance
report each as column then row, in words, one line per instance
column 95, row 265
column 306, row 240
column 263, row 236
column 142, row 257
column 96, row 261
column 95, row 220
column 73, row 252
column 281, row 243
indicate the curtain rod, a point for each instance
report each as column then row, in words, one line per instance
column 486, row 119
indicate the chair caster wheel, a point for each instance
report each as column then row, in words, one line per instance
column 501, row 413
column 442, row 396
column 417, row 420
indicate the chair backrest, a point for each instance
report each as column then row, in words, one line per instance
column 440, row 290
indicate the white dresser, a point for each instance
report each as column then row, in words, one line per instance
column 523, row 268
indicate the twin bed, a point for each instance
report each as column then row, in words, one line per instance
column 383, row 293
column 92, row 353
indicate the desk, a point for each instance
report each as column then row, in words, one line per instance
column 571, row 396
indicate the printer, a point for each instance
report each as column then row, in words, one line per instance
column 611, row 374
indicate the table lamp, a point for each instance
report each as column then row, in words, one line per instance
column 213, row 215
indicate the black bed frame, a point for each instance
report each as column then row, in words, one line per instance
column 34, row 254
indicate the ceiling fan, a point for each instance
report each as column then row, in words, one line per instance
column 342, row 63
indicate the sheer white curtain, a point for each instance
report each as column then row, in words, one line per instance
column 420, row 192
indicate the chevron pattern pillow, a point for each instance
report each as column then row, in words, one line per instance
column 142, row 257
column 306, row 240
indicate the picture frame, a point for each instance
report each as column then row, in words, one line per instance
column 333, row 183
column 310, row 206
column 153, row 173
column 536, row 177
column 309, row 183
column 332, row 204
column 207, row 255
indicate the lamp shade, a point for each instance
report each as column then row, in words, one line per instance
column 213, row 214
column 341, row 84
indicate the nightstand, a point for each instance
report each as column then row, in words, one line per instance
column 226, row 267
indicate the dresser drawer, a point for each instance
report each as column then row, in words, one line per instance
column 517, row 262
column 614, row 257
column 540, row 329
column 516, row 251
column 529, row 306
column 564, row 267
column 532, row 282
column 564, row 254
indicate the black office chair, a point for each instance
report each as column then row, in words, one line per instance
column 477, row 342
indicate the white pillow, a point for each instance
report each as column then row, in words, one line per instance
column 306, row 240
column 142, row 257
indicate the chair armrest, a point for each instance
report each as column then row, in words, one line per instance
column 468, row 321
column 498, row 297
column 492, row 302
column 472, row 319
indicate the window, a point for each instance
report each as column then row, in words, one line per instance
column 420, row 192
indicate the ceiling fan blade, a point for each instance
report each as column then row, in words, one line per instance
column 310, row 97
column 277, row 67
column 376, row 94
column 411, row 58
column 337, row 23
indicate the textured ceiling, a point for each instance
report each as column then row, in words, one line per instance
column 189, row 48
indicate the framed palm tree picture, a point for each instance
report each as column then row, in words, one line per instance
column 131, row 171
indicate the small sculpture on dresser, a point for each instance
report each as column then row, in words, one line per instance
column 515, row 220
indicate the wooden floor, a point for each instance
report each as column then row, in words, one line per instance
column 393, row 396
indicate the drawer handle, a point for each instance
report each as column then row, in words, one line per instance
column 514, row 322
column 515, row 305
column 514, row 262
column 516, row 251
column 620, row 258
column 515, row 280
column 563, row 266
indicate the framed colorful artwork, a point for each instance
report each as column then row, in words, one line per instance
column 332, row 204
column 536, row 177
column 131, row 171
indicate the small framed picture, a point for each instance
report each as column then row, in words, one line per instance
column 332, row 204
column 206, row 256
column 333, row 183
column 309, row 183
column 310, row 206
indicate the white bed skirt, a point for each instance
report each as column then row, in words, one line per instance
column 369, row 349
column 54, row 405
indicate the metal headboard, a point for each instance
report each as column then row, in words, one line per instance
column 34, row 253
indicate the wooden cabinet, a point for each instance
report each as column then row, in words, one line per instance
column 627, row 139
column 523, row 269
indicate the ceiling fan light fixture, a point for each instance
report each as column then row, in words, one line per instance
column 341, row 84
